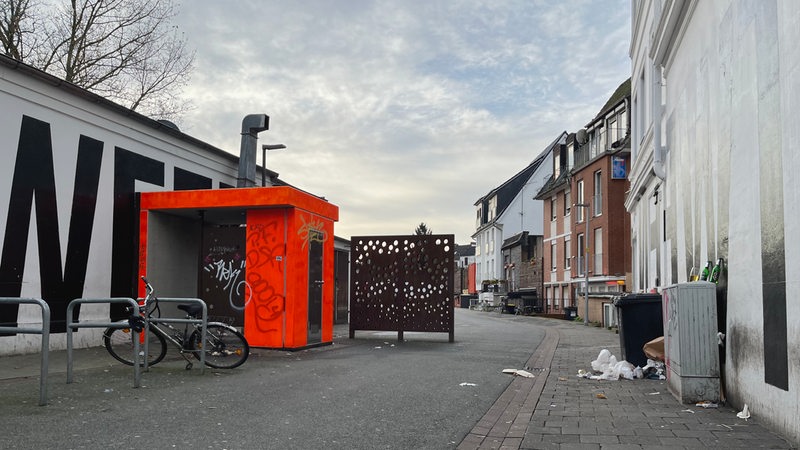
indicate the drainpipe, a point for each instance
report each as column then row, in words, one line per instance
column 657, row 113
column 252, row 124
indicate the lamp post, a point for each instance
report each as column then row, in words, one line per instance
column 264, row 149
column 585, row 263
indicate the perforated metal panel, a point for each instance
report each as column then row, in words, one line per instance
column 402, row 283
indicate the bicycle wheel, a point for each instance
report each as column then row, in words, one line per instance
column 119, row 343
column 226, row 348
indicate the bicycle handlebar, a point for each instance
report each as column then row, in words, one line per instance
column 149, row 296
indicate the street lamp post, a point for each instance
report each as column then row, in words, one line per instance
column 585, row 263
column 264, row 149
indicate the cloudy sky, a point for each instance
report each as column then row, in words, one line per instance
column 402, row 112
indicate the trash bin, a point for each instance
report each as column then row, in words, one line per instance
column 465, row 300
column 511, row 302
column 640, row 321
column 570, row 312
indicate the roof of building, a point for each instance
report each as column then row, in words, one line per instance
column 510, row 188
column 73, row 89
column 465, row 250
column 515, row 240
column 623, row 91
column 162, row 126
column 552, row 184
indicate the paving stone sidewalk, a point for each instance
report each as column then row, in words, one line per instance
column 559, row 410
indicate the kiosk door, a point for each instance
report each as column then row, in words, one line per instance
column 315, row 283
column 222, row 272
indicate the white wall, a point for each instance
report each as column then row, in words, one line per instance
column 731, row 128
column 70, row 118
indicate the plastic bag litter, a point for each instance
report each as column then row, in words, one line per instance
column 604, row 360
column 610, row 368
column 744, row 413
column 519, row 373
column 654, row 370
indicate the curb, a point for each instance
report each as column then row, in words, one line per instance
column 504, row 425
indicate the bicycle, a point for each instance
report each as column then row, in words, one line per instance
column 226, row 347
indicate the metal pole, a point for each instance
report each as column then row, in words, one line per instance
column 586, row 208
column 263, row 166
column 264, row 149
column 586, row 268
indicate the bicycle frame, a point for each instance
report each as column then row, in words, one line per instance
column 146, row 312
column 215, row 344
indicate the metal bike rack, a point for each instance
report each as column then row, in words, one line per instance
column 202, row 321
column 137, row 375
column 44, row 331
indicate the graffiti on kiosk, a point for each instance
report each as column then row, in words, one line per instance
column 228, row 272
column 311, row 231
column 265, row 252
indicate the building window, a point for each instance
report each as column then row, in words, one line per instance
column 553, row 207
column 553, row 256
column 567, row 203
column 567, row 254
column 597, row 200
column 581, row 254
column 598, row 251
column 556, row 164
column 581, row 211
column 492, row 208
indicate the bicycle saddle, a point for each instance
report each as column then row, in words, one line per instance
column 192, row 309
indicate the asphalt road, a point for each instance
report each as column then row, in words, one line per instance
column 370, row 392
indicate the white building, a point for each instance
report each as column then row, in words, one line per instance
column 73, row 165
column 715, row 104
column 507, row 210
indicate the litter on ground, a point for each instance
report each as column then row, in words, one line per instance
column 707, row 404
column 607, row 367
column 519, row 373
column 744, row 413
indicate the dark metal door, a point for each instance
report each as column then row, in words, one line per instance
column 315, row 283
column 222, row 272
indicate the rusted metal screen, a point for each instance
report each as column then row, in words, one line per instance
column 402, row 283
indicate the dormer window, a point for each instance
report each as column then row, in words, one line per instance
column 492, row 208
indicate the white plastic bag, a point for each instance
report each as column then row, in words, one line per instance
column 603, row 361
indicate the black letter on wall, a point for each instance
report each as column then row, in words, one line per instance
column 128, row 167
column 185, row 180
column 34, row 177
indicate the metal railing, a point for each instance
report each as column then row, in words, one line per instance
column 137, row 375
column 44, row 331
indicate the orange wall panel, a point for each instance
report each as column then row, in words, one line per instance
column 266, row 269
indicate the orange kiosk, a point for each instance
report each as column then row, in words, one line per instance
column 287, row 258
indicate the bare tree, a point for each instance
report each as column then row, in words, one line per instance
column 18, row 28
column 124, row 50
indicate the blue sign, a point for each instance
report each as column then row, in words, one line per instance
column 619, row 169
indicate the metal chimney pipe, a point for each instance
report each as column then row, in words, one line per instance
column 252, row 124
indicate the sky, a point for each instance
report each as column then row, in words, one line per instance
column 406, row 111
